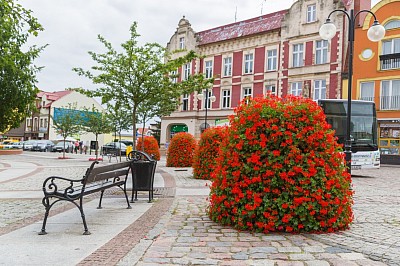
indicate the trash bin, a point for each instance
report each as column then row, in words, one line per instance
column 143, row 177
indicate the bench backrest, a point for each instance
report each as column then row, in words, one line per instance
column 115, row 170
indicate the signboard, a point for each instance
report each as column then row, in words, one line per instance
column 221, row 122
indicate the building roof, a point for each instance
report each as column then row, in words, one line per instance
column 53, row 96
column 248, row 27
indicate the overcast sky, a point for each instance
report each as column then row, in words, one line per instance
column 71, row 28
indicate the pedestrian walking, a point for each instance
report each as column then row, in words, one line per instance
column 76, row 147
column 81, row 146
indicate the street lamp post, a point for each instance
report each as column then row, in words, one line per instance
column 207, row 100
column 375, row 33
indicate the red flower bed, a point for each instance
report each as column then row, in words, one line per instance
column 181, row 150
column 207, row 151
column 281, row 169
column 150, row 147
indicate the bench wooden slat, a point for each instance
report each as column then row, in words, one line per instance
column 108, row 168
column 106, row 175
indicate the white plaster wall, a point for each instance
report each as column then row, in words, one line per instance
column 81, row 101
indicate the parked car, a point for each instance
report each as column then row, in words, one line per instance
column 113, row 147
column 17, row 145
column 127, row 142
column 28, row 144
column 60, row 147
column 43, row 145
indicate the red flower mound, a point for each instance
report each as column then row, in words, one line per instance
column 281, row 169
column 181, row 150
column 150, row 147
column 207, row 151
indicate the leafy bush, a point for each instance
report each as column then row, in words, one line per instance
column 207, row 151
column 150, row 147
column 180, row 150
column 281, row 169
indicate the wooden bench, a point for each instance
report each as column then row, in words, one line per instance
column 96, row 179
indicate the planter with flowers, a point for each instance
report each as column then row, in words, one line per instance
column 281, row 169
column 150, row 147
column 181, row 150
column 207, row 151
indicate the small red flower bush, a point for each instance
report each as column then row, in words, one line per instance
column 150, row 147
column 181, row 150
column 281, row 169
column 207, row 151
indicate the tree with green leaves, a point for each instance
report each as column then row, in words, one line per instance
column 139, row 76
column 17, row 71
column 67, row 121
column 119, row 118
column 97, row 123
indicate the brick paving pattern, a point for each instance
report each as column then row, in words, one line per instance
column 177, row 231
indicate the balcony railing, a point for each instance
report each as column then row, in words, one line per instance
column 390, row 61
column 390, row 102
column 367, row 98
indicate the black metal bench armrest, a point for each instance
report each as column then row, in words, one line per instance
column 61, row 186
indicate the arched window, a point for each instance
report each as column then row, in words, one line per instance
column 393, row 24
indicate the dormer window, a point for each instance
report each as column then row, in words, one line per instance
column 182, row 43
column 311, row 13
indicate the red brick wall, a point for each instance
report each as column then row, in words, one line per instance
column 217, row 94
column 217, row 66
column 286, row 55
column 333, row 83
column 285, row 84
column 237, row 63
column 235, row 95
column 258, row 89
column 309, row 54
column 259, row 60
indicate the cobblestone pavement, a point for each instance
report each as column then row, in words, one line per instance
column 184, row 235
column 188, row 237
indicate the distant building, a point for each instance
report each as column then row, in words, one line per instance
column 377, row 75
column 39, row 125
column 280, row 53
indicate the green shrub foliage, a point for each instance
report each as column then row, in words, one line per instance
column 281, row 169
column 181, row 150
column 207, row 152
column 150, row 146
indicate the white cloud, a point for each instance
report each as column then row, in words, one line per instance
column 71, row 28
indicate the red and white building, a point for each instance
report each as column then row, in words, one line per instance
column 280, row 52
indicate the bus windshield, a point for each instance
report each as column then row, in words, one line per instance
column 363, row 127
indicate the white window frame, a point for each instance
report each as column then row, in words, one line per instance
column 181, row 42
column 272, row 59
column 271, row 88
column 319, row 89
column 248, row 63
column 227, row 66
column 311, row 13
column 394, row 46
column 321, row 52
column 390, row 100
column 226, row 98
column 297, row 55
column 185, row 102
column 247, row 92
column 207, row 100
column 367, row 91
column 174, row 77
column 296, row 88
column 208, row 68
column 187, row 70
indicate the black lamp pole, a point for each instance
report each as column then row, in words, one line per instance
column 352, row 23
column 206, row 125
